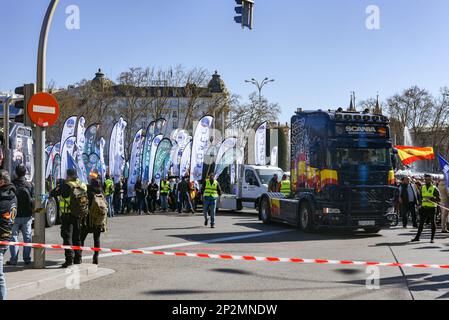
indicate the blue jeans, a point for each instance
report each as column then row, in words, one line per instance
column 110, row 208
column 164, row 203
column 184, row 201
column 23, row 225
column 210, row 203
column 2, row 275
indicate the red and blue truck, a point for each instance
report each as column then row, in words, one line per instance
column 342, row 171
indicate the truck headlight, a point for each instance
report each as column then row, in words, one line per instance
column 331, row 211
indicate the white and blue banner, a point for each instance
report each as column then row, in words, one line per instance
column 67, row 152
column 184, row 164
column 101, row 164
column 56, row 149
column 117, row 149
column 69, row 128
column 80, row 143
column 154, row 144
column 260, row 145
column 149, row 135
column 228, row 144
column 135, row 162
column 200, row 144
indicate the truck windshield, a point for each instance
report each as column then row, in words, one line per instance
column 265, row 175
column 356, row 157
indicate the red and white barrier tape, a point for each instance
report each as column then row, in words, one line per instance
column 228, row 257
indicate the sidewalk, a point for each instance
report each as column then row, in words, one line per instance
column 25, row 283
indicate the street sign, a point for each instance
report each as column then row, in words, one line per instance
column 43, row 109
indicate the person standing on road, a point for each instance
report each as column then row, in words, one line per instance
column 108, row 193
column 24, row 217
column 445, row 203
column 211, row 193
column 165, row 191
column 273, row 185
column 184, row 196
column 98, row 211
column 74, row 206
column 118, row 197
column 140, row 195
column 8, row 210
column 408, row 199
column 285, row 186
column 153, row 189
column 429, row 203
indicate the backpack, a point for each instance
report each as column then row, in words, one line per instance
column 79, row 202
column 98, row 212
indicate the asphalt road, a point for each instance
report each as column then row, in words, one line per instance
column 158, row 277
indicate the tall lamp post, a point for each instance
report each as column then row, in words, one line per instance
column 260, row 85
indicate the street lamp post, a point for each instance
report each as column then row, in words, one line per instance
column 39, row 221
column 260, row 85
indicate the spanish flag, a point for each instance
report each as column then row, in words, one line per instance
column 409, row 155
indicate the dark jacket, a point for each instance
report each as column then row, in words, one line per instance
column 153, row 188
column 25, row 198
column 8, row 211
column 183, row 187
column 404, row 194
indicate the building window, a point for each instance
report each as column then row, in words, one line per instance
column 175, row 124
column 175, row 114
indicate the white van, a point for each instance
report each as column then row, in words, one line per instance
column 251, row 184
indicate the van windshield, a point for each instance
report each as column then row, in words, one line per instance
column 266, row 175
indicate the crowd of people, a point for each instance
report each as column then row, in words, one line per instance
column 84, row 209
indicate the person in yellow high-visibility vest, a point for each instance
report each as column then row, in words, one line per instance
column 211, row 192
column 284, row 186
column 165, row 191
column 108, row 193
column 430, row 197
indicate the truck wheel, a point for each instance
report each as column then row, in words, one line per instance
column 372, row 230
column 51, row 212
column 264, row 211
column 305, row 218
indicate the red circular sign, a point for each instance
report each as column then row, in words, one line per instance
column 43, row 109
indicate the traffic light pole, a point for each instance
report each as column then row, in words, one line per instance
column 6, row 155
column 39, row 219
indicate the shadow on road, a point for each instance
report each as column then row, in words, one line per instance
column 416, row 283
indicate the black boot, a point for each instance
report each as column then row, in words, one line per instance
column 95, row 259
column 67, row 264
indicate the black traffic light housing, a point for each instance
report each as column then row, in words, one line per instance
column 244, row 10
column 27, row 91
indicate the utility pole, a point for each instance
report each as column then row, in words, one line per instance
column 39, row 220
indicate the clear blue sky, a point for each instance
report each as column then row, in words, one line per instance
column 318, row 51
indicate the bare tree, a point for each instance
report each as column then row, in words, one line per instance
column 248, row 116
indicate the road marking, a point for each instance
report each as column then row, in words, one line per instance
column 44, row 109
column 194, row 243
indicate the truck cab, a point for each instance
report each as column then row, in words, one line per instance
column 342, row 173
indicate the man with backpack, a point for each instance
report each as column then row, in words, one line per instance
column 73, row 206
column 109, row 192
column 24, row 217
column 95, row 222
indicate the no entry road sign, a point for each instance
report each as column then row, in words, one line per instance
column 43, row 109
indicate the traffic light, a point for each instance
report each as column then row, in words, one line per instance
column 27, row 91
column 244, row 10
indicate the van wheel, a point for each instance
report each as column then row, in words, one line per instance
column 264, row 211
column 306, row 218
column 51, row 212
